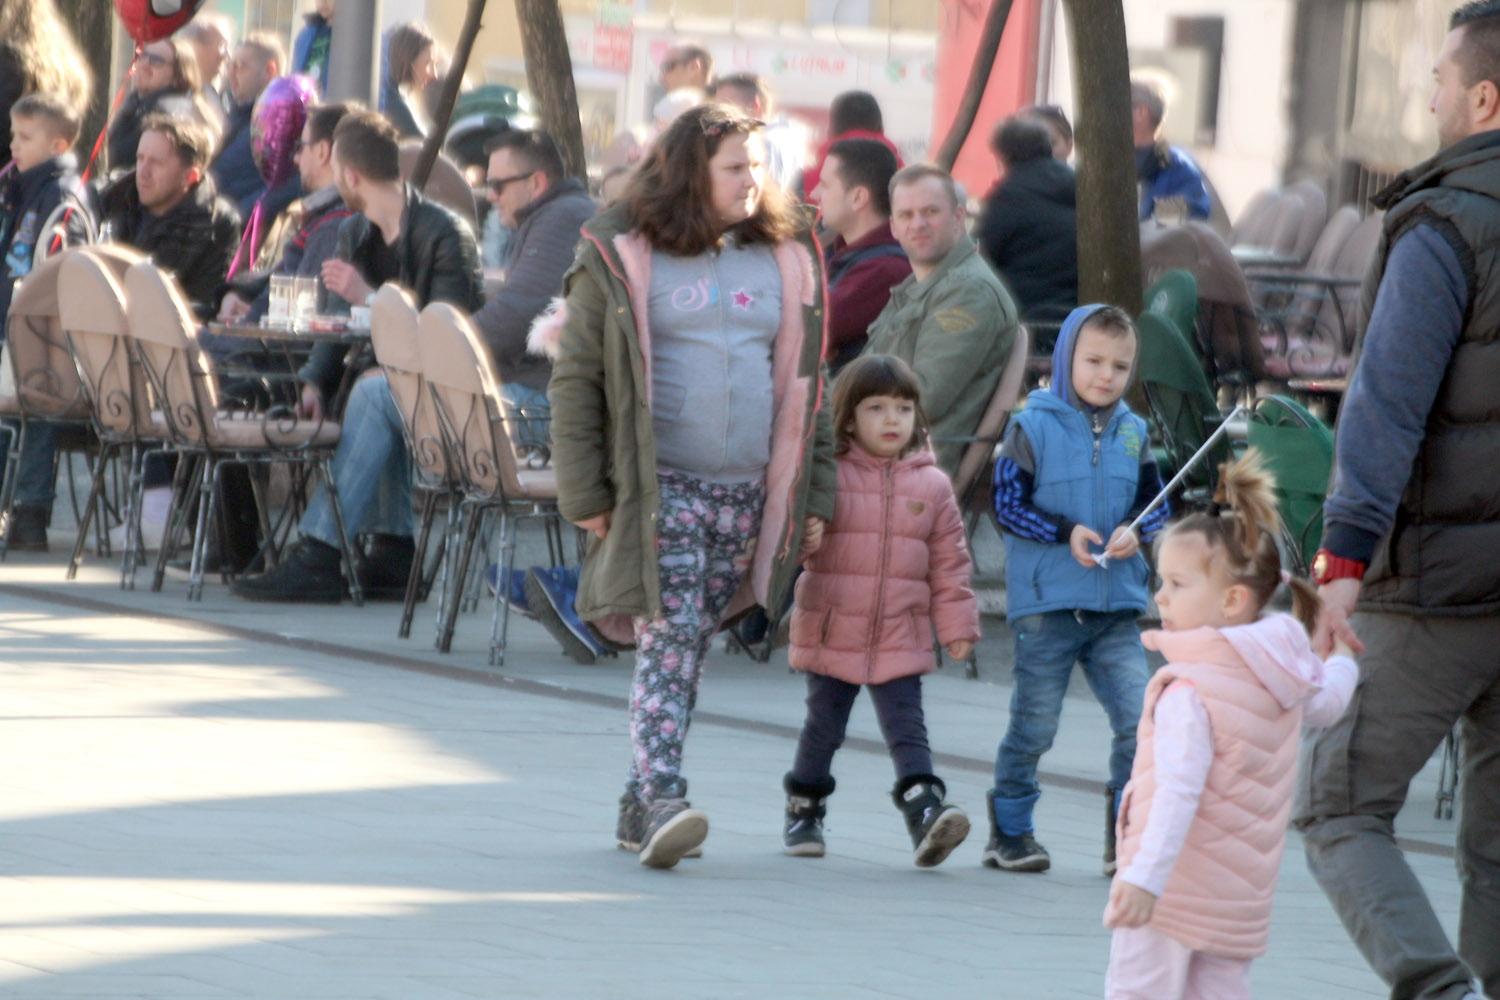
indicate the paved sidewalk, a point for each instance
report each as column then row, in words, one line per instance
column 229, row 800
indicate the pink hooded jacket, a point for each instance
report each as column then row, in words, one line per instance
column 893, row 566
column 1258, row 683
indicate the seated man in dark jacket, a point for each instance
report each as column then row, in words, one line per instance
column 395, row 235
column 168, row 208
column 1028, row 228
column 258, row 59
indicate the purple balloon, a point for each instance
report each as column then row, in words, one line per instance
column 276, row 126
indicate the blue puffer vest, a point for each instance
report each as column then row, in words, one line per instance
column 1093, row 486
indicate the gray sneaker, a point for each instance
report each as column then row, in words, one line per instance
column 673, row 830
column 630, row 828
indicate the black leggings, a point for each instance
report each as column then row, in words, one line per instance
column 898, row 706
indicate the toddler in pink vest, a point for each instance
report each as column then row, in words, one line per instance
column 1203, row 820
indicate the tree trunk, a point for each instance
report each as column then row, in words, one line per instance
column 979, row 79
column 434, row 143
column 93, row 26
column 1109, row 232
column 549, row 74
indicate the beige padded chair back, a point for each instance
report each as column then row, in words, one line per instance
column 980, row 453
column 1253, row 227
column 91, row 304
column 46, row 378
column 1353, row 261
column 1336, row 233
column 393, row 334
column 461, row 379
column 166, row 340
column 1313, row 217
column 445, row 185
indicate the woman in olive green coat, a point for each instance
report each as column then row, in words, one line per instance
column 688, row 429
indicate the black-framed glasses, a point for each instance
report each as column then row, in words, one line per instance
column 497, row 185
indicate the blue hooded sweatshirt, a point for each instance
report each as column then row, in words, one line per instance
column 1066, row 463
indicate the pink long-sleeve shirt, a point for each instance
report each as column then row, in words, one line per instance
column 1184, row 753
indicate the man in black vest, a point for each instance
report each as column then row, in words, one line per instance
column 1412, row 531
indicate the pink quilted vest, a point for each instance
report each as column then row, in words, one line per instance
column 1218, row 897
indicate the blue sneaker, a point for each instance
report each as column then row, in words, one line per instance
column 517, row 591
column 550, row 593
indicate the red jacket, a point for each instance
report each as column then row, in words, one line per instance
column 859, row 285
column 894, row 566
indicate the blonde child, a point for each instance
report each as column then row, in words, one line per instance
column 1203, row 820
column 893, row 568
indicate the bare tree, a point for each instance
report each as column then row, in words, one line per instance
column 1109, row 236
column 434, row 144
column 549, row 75
column 93, row 25
column 979, row 79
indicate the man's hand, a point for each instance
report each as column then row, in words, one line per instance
column 342, row 279
column 1122, row 544
column 311, row 405
column 1129, row 905
column 1339, row 597
column 233, row 308
column 959, row 651
column 597, row 525
column 1079, row 543
column 812, row 537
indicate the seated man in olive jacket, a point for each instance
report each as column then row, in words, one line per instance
column 952, row 320
column 394, row 235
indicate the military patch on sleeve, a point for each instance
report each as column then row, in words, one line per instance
column 954, row 320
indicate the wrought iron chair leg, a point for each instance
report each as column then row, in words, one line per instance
column 16, row 440
column 500, row 619
column 89, row 507
column 134, row 497
column 177, row 508
column 351, row 566
column 418, row 562
column 460, row 574
column 206, row 490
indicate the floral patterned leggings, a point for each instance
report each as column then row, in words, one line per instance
column 704, row 542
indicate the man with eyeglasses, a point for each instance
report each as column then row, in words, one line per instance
column 531, row 192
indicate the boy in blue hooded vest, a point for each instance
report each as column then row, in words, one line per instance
column 1074, row 469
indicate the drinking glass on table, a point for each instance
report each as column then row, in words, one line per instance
column 279, row 312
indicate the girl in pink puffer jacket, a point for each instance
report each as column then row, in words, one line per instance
column 893, row 568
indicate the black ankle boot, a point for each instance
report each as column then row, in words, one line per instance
column 936, row 827
column 309, row 572
column 806, row 805
column 386, row 566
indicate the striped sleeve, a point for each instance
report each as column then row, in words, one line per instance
column 1014, row 482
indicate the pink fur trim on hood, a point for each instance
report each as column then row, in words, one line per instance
column 1276, row 649
column 545, row 337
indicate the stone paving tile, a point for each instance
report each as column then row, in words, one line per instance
column 203, row 815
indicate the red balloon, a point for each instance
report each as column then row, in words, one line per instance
column 149, row 20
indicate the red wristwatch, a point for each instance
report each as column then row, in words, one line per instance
column 1328, row 567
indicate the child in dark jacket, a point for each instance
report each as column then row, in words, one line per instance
column 1074, row 469
column 43, row 208
column 42, row 199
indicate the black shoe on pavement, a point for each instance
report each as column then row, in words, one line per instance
column 806, row 805
column 936, row 827
column 386, row 566
column 308, row 573
column 27, row 531
column 1012, row 854
column 673, row 829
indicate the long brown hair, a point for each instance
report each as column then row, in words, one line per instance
column 670, row 195
column 46, row 52
column 1243, row 533
column 875, row 375
column 405, row 44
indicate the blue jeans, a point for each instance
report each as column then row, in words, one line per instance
column 36, row 481
column 371, row 470
column 527, row 414
column 1047, row 646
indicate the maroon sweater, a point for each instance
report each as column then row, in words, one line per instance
column 858, row 291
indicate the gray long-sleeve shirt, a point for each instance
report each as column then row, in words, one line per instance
column 1412, row 333
column 541, row 252
column 713, row 320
